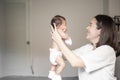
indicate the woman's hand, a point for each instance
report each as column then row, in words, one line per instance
column 55, row 35
column 63, row 34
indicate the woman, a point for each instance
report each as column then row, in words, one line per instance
column 96, row 60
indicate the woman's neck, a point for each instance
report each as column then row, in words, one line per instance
column 94, row 46
column 94, row 43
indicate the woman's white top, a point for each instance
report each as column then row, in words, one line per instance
column 99, row 63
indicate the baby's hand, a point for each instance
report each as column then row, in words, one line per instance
column 63, row 34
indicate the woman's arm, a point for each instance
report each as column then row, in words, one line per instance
column 74, row 60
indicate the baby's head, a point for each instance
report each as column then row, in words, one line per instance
column 60, row 22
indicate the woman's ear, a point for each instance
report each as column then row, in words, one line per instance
column 99, row 31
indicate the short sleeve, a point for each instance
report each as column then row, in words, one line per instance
column 99, row 58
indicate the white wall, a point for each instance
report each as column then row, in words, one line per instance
column 1, row 33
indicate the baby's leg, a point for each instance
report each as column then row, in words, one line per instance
column 53, row 67
column 61, row 64
column 52, row 71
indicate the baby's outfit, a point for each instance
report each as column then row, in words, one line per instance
column 53, row 55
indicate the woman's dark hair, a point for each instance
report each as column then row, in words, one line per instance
column 57, row 20
column 108, row 34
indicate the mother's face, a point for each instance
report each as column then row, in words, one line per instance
column 93, row 33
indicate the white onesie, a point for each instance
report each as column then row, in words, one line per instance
column 54, row 53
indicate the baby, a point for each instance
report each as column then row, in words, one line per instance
column 56, row 57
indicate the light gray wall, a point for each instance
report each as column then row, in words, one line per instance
column 1, row 33
column 106, row 7
column 114, row 7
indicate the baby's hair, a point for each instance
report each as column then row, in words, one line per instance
column 57, row 20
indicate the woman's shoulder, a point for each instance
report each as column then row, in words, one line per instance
column 105, row 47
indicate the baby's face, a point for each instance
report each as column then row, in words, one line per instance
column 63, row 27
